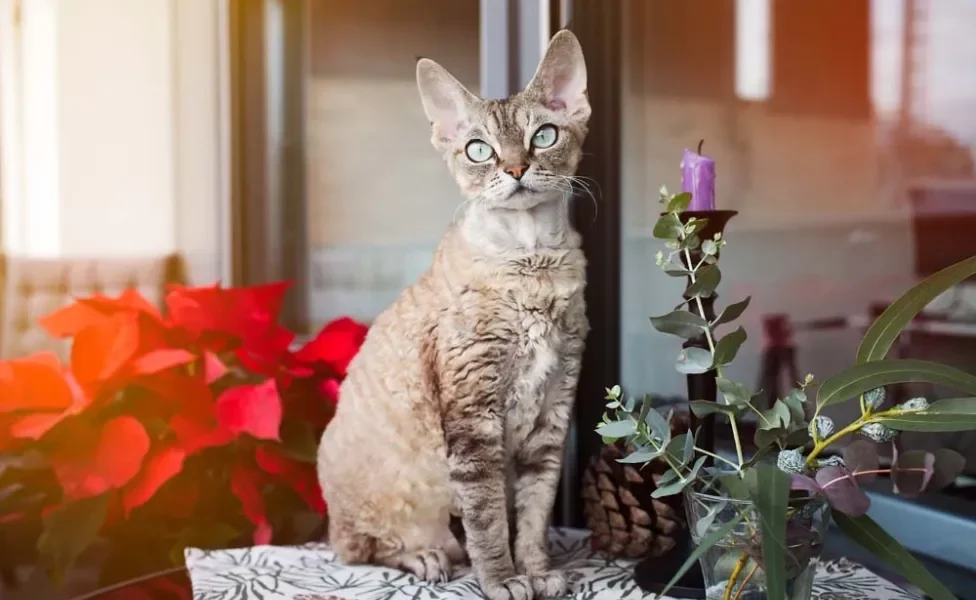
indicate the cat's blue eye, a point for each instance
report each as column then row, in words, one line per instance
column 545, row 137
column 478, row 151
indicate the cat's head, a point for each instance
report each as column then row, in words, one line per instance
column 517, row 152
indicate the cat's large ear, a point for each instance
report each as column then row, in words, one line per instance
column 446, row 101
column 560, row 80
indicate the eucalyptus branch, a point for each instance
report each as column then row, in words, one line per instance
column 718, row 457
column 785, row 427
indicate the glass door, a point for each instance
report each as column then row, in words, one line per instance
column 842, row 133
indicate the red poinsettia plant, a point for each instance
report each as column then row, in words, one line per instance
column 194, row 426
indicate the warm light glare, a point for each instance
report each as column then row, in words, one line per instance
column 753, row 41
column 29, row 119
column 887, row 54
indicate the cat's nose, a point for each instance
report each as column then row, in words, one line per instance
column 517, row 171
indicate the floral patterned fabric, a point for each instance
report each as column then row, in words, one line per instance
column 312, row 572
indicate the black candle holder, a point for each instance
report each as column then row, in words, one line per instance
column 653, row 574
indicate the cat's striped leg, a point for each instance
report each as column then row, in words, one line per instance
column 538, row 467
column 474, row 433
column 430, row 565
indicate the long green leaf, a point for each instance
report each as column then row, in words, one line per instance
column 870, row 536
column 955, row 414
column 881, row 335
column 68, row 531
column 770, row 495
column 707, row 542
column 858, row 379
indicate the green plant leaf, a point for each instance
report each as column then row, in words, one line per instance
column 794, row 401
column 703, row 546
column 618, row 429
column 709, row 248
column 659, row 426
column 68, row 531
column 642, row 455
column 771, row 495
column 738, row 485
column 681, row 323
column 693, row 361
column 647, row 405
column 777, row 417
column 735, row 393
column 882, row 333
column 732, row 312
column 706, row 280
column 668, row 227
column 677, row 272
column 767, row 437
column 727, row 347
column 679, row 202
column 679, row 485
column 675, row 449
column 954, row 414
column 703, row 408
column 667, row 477
column 858, row 379
column 870, row 536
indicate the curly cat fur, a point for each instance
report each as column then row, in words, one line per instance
column 460, row 398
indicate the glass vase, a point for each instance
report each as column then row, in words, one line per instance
column 733, row 567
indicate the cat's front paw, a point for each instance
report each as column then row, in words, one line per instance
column 548, row 584
column 513, row 588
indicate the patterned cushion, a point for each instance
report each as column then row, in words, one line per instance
column 313, row 572
column 31, row 288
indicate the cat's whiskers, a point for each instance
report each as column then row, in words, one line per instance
column 584, row 185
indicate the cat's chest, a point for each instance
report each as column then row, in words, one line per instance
column 546, row 313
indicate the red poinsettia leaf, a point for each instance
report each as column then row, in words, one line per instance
column 37, row 382
column 253, row 409
column 159, row 468
column 91, row 311
column 10, row 518
column 247, row 486
column 107, row 457
column 34, row 426
column 262, row 534
column 299, row 476
column 273, row 463
column 269, row 297
column 213, row 367
column 133, row 300
column 161, row 360
column 329, row 389
column 71, row 320
column 193, row 436
column 186, row 308
column 100, row 351
column 335, row 345
column 267, row 353
column 242, row 311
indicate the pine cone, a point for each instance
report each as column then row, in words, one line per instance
column 624, row 519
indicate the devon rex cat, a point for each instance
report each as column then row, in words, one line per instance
column 460, row 399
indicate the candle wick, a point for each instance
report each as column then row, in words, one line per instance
column 700, row 142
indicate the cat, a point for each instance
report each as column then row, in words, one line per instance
column 459, row 400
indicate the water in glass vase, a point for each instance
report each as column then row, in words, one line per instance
column 733, row 567
column 725, row 562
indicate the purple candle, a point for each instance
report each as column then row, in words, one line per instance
column 698, row 178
